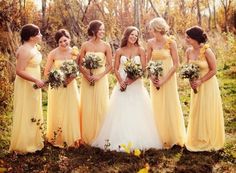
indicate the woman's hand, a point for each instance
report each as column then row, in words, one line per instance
column 129, row 81
column 94, row 78
column 39, row 83
column 68, row 80
column 123, row 86
column 195, row 83
column 160, row 82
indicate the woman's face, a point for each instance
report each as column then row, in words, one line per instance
column 153, row 32
column 64, row 42
column 101, row 32
column 133, row 37
column 189, row 40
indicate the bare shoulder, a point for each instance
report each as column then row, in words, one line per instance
column 23, row 53
column 141, row 49
column 188, row 50
column 119, row 51
column 151, row 41
column 106, row 45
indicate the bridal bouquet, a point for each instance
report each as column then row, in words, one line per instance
column 155, row 69
column 132, row 69
column 56, row 78
column 191, row 72
column 90, row 62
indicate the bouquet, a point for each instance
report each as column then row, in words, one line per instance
column 155, row 69
column 191, row 72
column 70, row 69
column 133, row 70
column 56, row 78
column 90, row 62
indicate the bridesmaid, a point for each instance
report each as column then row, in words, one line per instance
column 94, row 99
column 206, row 122
column 63, row 122
column 26, row 135
column 165, row 101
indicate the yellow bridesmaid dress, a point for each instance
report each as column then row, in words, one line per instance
column 93, row 102
column 166, row 104
column 63, row 121
column 26, row 135
column 206, row 122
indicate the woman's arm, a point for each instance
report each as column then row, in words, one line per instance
column 83, row 70
column 23, row 56
column 149, row 51
column 108, row 65
column 49, row 63
column 211, row 61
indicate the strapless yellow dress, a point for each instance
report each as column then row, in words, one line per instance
column 93, row 102
column 206, row 122
column 63, row 121
column 166, row 104
column 26, row 135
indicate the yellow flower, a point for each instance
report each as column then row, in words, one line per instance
column 144, row 170
column 127, row 148
column 38, row 47
column 75, row 51
column 203, row 50
column 137, row 152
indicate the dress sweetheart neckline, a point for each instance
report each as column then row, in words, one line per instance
column 95, row 52
column 129, row 57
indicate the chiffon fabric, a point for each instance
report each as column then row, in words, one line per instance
column 206, row 122
column 94, row 102
column 129, row 120
column 63, row 119
column 166, row 104
column 26, row 134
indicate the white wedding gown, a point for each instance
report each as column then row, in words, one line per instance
column 129, row 118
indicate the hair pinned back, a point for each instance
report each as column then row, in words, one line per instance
column 60, row 33
column 197, row 34
column 159, row 25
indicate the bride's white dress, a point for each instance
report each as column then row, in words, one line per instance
column 129, row 118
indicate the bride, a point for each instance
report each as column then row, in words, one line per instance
column 129, row 118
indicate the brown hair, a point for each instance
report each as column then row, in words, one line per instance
column 27, row 31
column 126, row 35
column 93, row 27
column 197, row 34
column 60, row 33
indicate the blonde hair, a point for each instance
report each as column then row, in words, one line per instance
column 159, row 25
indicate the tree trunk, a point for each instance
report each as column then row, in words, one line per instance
column 209, row 18
column 136, row 14
column 199, row 17
column 214, row 13
column 154, row 9
column 43, row 28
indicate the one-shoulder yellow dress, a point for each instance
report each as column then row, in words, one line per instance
column 63, row 121
column 93, row 102
column 206, row 122
column 26, row 134
column 166, row 104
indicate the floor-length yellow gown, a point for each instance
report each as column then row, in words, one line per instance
column 63, row 121
column 94, row 102
column 206, row 122
column 26, row 134
column 166, row 104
